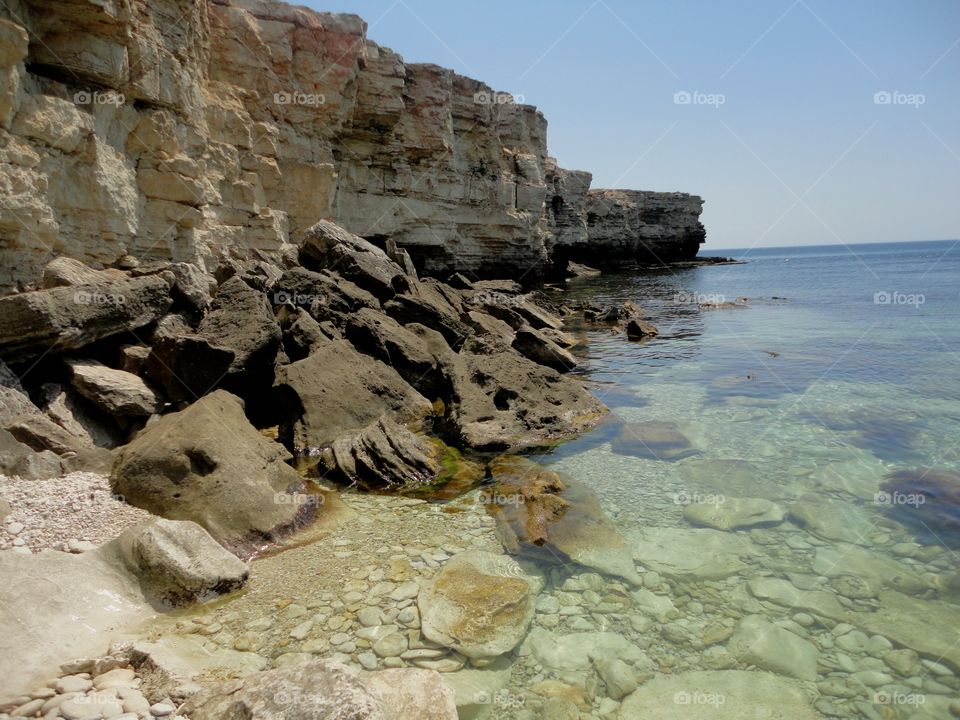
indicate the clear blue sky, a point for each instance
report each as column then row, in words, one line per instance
column 798, row 153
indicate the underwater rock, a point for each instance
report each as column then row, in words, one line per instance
column 733, row 513
column 696, row 554
column 759, row 642
column 928, row 496
column 830, row 519
column 653, row 440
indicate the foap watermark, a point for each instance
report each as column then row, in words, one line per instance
column 897, row 498
column 98, row 97
column 298, row 499
column 895, row 97
column 695, row 97
column 99, row 299
column 485, row 97
column 882, row 697
column 292, row 297
column 885, row 297
column 501, row 699
column 687, row 498
column 698, row 697
column 687, row 298
column 299, row 98
column 496, row 498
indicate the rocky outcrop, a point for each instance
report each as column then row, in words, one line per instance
column 226, row 128
column 634, row 227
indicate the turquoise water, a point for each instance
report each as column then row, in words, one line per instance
column 839, row 368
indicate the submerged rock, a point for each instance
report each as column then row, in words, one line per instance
column 929, row 497
column 783, row 592
column 702, row 554
column 833, row 519
column 733, row 513
column 208, row 464
column 719, row 695
column 480, row 604
column 759, row 642
column 556, row 518
column 653, row 440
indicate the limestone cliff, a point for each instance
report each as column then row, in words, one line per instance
column 194, row 129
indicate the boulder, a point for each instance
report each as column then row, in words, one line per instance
column 78, row 416
column 500, row 399
column 654, row 440
column 302, row 334
column 20, row 460
column 69, row 317
column 477, row 689
column 536, row 346
column 480, row 604
column 384, row 455
column 241, row 319
column 432, row 310
column 730, row 513
column 192, row 285
column 208, row 464
column 322, row 294
column 576, row 652
column 555, row 518
column 759, row 642
column 327, row 245
column 43, row 434
column 833, row 519
column 66, row 272
column 178, row 562
column 337, row 390
column 719, row 695
column 114, row 391
column 638, row 329
column 874, row 570
column 188, row 366
column 412, row 693
column 784, row 593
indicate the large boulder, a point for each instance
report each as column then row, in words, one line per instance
column 208, row 464
column 71, row 316
column 329, row 246
column 322, row 293
column 178, row 562
column 187, row 366
column 431, row 309
column 502, row 400
column 551, row 516
column 114, row 391
column 337, row 390
column 480, row 604
column 327, row 690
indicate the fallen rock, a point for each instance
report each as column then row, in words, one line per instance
column 179, row 563
column 208, row 464
column 431, row 309
column 759, row 642
column 329, row 246
column 480, row 604
column 69, row 317
column 337, row 390
column 536, row 346
column 733, row 513
column 653, row 440
column 555, row 518
column 113, row 391
column 718, row 695
column 78, row 416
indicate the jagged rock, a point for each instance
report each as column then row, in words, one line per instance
column 390, row 342
column 179, row 562
column 322, row 294
column 113, row 391
column 338, row 390
column 718, row 695
column 434, row 312
column 187, row 367
column 192, row 284
column 731, row 513
column 64, row 318
column 654, row 440
column 536, row 346
column 484, row 324
column 42, row 434
column 241, row 319
column 64, row 271
column 480, row 604
column 301, row 334
column 759, row 642
column 500, row 399
column 133, row 358
column 208, row 464
column 637, row 329
column 384, row 454
column 330, row 246
column 555, row 518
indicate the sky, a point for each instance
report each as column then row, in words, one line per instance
column 800, row 122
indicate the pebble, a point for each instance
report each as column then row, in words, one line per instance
column 73, row 683
column 161, row 709
column 302, row 630
column 367, row 660
column 392, row 645
column 872, row 678
column 29, row 709
column 118, row 677
column 15, row 528
column 936, row 668
column 407, row 591
column 370, row 616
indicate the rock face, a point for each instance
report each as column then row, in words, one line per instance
column 235, row 128
column 480, row 604
column 208, row 464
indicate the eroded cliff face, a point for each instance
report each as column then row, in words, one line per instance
column 194, row 129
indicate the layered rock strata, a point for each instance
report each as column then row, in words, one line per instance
column 195, row 131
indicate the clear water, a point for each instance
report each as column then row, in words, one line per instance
column 842, row 368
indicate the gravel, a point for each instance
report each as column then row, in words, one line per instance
column 72, row 513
